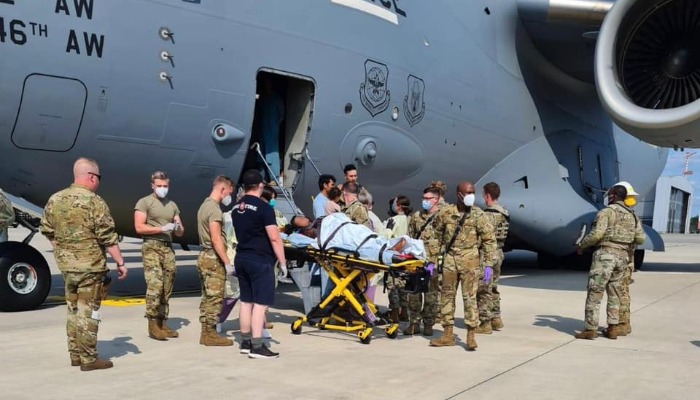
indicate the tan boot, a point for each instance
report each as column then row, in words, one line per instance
column 497, row 324
column 163, row 325
column 74, row 361
column 427, row 329
column 471, row 339
column 623, row 329
column 209, row 337
column 447, row 338
column 612, row 332
column 394, row 315
column 413, row 329
column 484, row 328
column 97, row 364
column 587, row 334
column 154, row 331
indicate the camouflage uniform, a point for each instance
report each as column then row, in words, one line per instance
column 212, row 273
column 625, row 300
column 358, row 213
column 79, row 224
column 462, row 262
column 615, row 230
column 7, row 216
column 488, row 297
column 425, row 305
column 158, row 256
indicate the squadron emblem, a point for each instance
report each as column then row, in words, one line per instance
column 374, row 92
column 414, row 102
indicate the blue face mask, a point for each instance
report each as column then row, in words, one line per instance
column 426, row 205
column 273, row 202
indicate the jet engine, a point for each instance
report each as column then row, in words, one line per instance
column 647, row 70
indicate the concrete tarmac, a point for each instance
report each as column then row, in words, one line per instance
column 534, row 357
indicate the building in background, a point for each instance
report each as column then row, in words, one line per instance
column 670, row 206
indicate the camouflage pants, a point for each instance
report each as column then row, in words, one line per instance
column 466, row 271
column 625, row 300
column 606, row 274
column 487, row 297
column 212, row 275
column 397, row 296
column 425, row 305
column 83, row 298
column 159, row 270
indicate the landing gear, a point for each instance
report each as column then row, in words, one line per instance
column 25, row 278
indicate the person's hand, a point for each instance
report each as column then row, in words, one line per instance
column 230, row 270
column 121, row 269
column 431, row 268
column 283, row 269
column 488, row 274
column 167, row 228
column 177, row 227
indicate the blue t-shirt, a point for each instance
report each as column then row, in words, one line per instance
column 250, row 216
column 320, row 205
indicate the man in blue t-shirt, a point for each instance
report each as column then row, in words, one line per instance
column 259, row 243
column 325, row 184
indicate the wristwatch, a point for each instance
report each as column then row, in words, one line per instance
column 120, row 265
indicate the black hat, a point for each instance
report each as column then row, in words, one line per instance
column 251, row 177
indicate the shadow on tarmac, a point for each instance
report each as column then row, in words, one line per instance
column 562, row 324
column 696, row 342
column 117, row 347
column 668, row 267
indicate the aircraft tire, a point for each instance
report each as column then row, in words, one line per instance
column 25, row 277
column 638, row 259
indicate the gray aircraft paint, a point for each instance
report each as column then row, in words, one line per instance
column 494, row 107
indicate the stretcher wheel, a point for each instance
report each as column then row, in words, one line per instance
column 393, row 331
column 365, row 336
column 296, row 326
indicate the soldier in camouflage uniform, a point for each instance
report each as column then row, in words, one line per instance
column 615, row 230
column 624, row 327
column 424, row 306
column 157, row 218
column 474, row 238
column 80, row 227
column 488, row 297
column 7, row 216
column 213, row 263
column 354, row 209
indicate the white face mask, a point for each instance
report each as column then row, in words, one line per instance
column 469, row 199
column 161, row 192
column 226, row 200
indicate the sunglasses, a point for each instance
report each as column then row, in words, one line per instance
column 99, row 177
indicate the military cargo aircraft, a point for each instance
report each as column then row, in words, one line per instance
column 512, row 91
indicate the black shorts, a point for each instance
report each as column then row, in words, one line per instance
column 256, row 279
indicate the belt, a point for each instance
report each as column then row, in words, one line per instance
column 615, row 245
column 163, row 242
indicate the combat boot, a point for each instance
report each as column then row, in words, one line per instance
column 97, row 364
column 74, row 361
column 403, row 316
column 427, row 329
column 587, row 334
column 394, row 315
column 413, row 329
column 471, row 339
column 154, row 331
column 623, row 329
column 612, row 332
column 497, row 324
column 209, row 337
column 163, row 325
column 447, row 338
column 484, row 328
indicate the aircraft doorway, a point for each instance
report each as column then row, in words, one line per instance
column 283, row 111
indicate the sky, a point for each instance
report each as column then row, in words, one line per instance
column 675, row 166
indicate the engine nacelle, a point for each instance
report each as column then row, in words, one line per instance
column 647, row 69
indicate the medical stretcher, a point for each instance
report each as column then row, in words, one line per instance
column 348, row 308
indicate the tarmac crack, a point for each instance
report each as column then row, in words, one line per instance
column 666, row 297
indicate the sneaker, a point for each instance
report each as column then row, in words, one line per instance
column 262, row 352
column 245, row 347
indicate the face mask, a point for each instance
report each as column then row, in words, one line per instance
column 630, row 201
column 161, row 192
column 226, row 200
column 273, row 203
column 469, row 199
column 426, row 205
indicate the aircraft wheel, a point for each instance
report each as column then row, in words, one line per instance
column 25, row 278
column 638, row 259
column 296, row 326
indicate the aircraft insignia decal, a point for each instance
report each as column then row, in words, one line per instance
column 414, row 101
column 374, row 92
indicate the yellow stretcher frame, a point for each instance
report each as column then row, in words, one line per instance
column 346, row 272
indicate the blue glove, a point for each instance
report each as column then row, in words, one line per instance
column 431, row 268
column 488, row 274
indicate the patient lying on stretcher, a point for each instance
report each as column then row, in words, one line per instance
column 337, row 231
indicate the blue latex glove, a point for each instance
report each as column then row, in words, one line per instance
column 488, row 274
column 431, row 268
